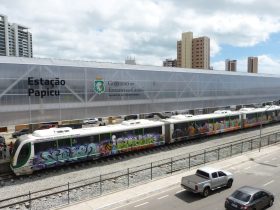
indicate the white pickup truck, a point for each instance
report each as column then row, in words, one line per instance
column 206, row 179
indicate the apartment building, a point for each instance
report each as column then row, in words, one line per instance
column 170, row 63
column 230, row 65
column 179, row 54
column 201, row 53
column 252, row 65
column 193, row 52
column 15, row 39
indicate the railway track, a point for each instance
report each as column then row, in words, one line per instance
column 49, row 194
column 10, row 178
column 7, row 177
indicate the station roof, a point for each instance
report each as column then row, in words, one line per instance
column 103, row 65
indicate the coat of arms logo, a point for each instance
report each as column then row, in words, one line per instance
column 99, row 86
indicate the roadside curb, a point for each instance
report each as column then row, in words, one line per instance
column 142, row 196
column 124, row 201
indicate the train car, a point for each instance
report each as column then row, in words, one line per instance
column 57, row 146
column 184, row 127
column 255, row 116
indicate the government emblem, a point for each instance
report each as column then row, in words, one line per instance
column 99, row 86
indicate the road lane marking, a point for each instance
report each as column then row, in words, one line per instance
column 274, row 159
column 163, row 197
column 247, row 168
column 268, row 183
column 144, row 198
column 267, row 161
column 179, row 191
column 141, row 204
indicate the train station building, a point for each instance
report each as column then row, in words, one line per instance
column 44, row 90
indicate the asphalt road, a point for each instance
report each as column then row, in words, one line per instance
column 263, row 172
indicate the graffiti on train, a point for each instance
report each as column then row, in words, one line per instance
column 61, row 155
column 56, row 156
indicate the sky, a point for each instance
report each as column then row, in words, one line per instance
column 147, row 30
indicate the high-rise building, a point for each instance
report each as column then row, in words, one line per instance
column 201, row 53
column 252, row 64
column 193, row 52
column 15, row 39
column 179, row 53
column 170, row 63
column 186, row 50
column 230, row 65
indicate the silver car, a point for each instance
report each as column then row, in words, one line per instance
column 249, row 198
column 90, row 121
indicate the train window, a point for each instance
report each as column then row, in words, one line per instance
column 94, row 139
column 64, row 143
column 44, row 146
column 270, row 115
column 251, row 118
column 220, row 123
column 262, row 116
column 85, row 140
column 105, row 137
column 201, row 126
column 219, row 120
column 129, row 133
column 227, row 120
column 119, row 135
column 234, row 121
column 181, row 126
column 180, row 130
column 191, row 131
column 138, row 132
column 24, row 153
column 124, row 134
column 154, row 130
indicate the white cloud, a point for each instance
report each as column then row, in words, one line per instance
column 214, row 48
column 266, row 65
column 112, row 29
column 219, row 65
column 269, row 65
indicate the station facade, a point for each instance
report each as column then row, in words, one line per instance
column 43, row 90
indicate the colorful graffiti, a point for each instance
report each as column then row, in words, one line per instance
column 68, row 154
column 129, row 143
column 225, row 125
column 262, row 117
column 108, row 147
column 256, row 119
column 199, row 129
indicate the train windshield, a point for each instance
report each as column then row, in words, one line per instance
column 24, row 153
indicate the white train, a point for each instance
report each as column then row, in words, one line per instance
column 58, row 146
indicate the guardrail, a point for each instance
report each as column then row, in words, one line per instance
column 107, row 183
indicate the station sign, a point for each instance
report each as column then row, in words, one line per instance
column 44, row 87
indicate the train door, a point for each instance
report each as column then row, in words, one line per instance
column 262, row 117
column 271, row 116
column 167, row 133
column 243, row 120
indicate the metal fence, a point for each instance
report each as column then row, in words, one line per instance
column 107, row 183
